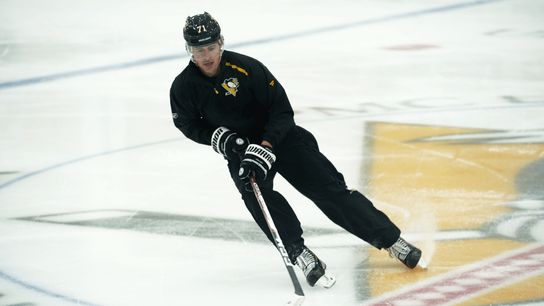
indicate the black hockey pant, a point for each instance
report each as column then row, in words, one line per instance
column 301, row 163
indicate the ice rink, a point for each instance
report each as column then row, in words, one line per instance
column 434, row 109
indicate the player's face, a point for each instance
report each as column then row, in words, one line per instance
column 207, row 58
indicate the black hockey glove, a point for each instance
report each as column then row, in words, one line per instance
column 257, row 160
column 228, row 143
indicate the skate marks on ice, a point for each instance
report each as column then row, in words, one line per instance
column 421, row 105
column 435, row 179
column 218, row 228
column 168, row 224
column 451, row 208
column 261, row 41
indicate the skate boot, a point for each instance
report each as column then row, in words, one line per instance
column 408, row 254
column 314, row 269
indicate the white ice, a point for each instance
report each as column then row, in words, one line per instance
column 94, row 137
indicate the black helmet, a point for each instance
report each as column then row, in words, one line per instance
column 201, row 30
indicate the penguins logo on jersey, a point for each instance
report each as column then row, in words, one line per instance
column 231, row 86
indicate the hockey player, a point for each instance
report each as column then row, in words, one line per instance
column 233, row 103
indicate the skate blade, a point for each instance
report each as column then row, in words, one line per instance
column 296, row 301
column 326, row 281
column 423, row 264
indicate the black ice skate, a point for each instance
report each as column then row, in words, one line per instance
column 405, row 252
column 314, row 269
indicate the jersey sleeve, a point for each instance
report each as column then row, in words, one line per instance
column 280, row 113
column 187, row 118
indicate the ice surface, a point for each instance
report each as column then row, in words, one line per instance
column 431, row 108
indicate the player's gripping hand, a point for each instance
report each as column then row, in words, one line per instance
column 228, row 143
column 257, row 160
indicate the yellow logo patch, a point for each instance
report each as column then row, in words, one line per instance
column 231, row 86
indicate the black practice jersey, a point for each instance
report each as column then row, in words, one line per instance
column 244, row 97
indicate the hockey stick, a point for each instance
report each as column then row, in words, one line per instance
column 279, row 244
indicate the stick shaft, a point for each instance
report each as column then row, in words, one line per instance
column 276, row 236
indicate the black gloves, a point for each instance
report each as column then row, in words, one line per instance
column 257, row 160
column 228, row 143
